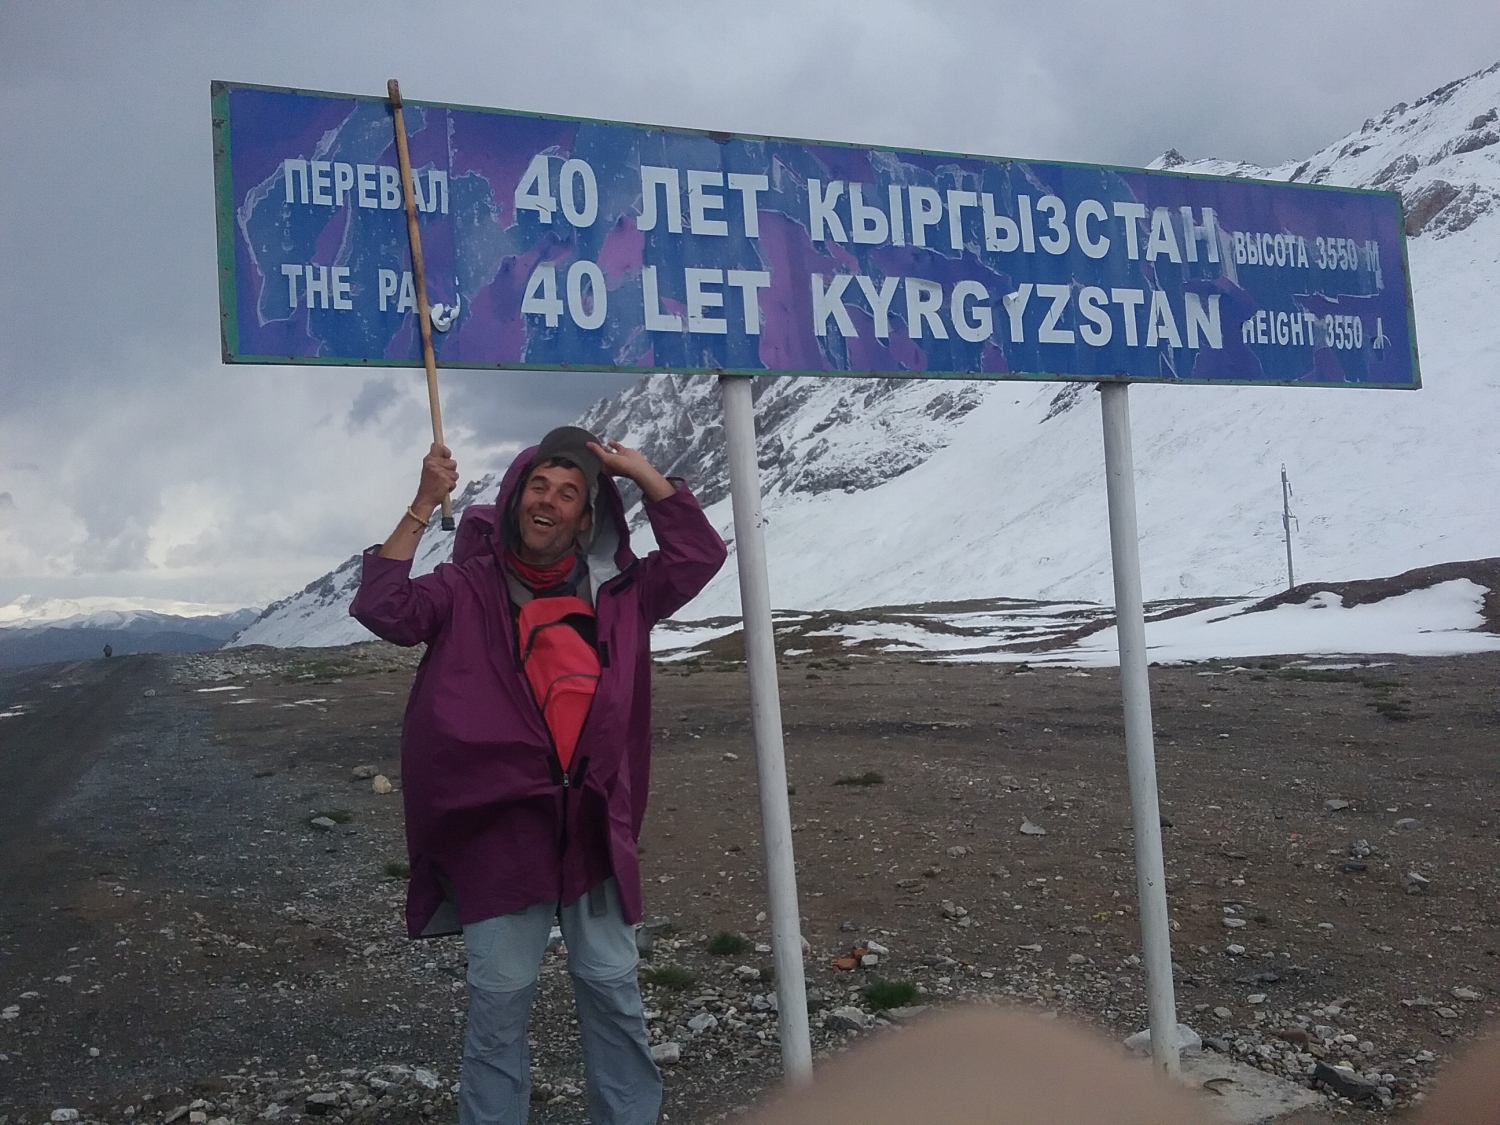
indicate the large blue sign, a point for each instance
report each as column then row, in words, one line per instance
column 560, row 243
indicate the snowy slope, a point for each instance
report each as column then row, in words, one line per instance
column 884, row 492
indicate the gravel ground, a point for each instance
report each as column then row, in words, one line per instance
column 178, row 937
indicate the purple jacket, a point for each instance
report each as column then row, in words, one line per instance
column 491, row 826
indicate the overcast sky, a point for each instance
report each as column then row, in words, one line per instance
column 132, row 463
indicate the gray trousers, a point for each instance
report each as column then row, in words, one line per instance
column 505, row 955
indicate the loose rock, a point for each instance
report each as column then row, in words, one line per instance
column 847, row 1019
column 321, row 1103
column 1344, row 1082
column 666, row 1054
column 380, row 784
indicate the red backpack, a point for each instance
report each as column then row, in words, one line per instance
column 561, row 665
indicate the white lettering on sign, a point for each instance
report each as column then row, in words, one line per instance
column 293, row 273
column 975, row 322
column 701, row 201
column 1000, row 231
column 338, row 281
column 1131, row 214
column 924, row 301
column 540, row 297
column 656, row 320
column 926, row 211
column 1204, row 320
column 365, row 177
column 1049, row 332
column 578, row 176
column 1163, row 240
column 666, row 179
column 700, row 300
column 343, row 180
column 295, row 173
column 534, row 192
column 749, row 185
column 750, row 283
column 324, row 183
column 1092, row 302
column 389, row 284
column 830, row 302
column 437, row 191
column 1265, row 248
column 390, row 188
column 1207, row 230
column 590, row 316
column 1340, row 331
column 1015, row 309
column 1028, row 234
column 898, row 219
column 880, row 301
column 1056, row 240
column 1160, row 324
column 820, row 212
column 866, row 221
column 385, row 284
column 957, row 201
column 1129, row 300
column 315, row 285
column 1092, row 209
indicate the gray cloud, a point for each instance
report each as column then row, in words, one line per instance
column 137, row 464
column 372, row 400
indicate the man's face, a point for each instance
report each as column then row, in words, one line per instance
column 552, row 512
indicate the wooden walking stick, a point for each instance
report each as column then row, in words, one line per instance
column 424, row 313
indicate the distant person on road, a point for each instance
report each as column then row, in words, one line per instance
column 525, row 752
column 108, row 651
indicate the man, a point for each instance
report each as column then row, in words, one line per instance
column 525, row 752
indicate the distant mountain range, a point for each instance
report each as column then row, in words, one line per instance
column 33, row 631
column 884, row 492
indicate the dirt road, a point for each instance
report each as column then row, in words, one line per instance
column 173, row 928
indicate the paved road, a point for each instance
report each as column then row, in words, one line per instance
column 69, row 714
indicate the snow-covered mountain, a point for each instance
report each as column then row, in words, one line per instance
column 36, row 630
column 883, row 492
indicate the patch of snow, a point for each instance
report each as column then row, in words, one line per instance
column 1442, row 620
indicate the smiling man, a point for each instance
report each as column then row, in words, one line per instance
column 525, row 752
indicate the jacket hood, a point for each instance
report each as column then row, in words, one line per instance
column 608, row 546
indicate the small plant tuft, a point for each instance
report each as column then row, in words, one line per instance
column 869, row 777
column 395, row 869
column 673, row 977
column 726, row 944
column 883, row 994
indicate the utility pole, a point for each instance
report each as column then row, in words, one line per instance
column 1286, row 524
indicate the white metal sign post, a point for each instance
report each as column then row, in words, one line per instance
column 765, row 725
column 1140, row 748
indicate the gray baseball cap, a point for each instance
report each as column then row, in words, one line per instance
column 570, row 444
